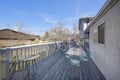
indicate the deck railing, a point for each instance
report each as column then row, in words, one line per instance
column 22, row 54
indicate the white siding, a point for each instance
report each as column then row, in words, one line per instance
column 85, row 26
column 107, row 56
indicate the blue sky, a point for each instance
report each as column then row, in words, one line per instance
column 39, row 15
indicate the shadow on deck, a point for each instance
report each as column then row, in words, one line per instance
column 57, row 67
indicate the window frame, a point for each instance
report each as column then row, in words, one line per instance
column 96, row 28
column 103, row 23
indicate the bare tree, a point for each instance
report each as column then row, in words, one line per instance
column 59, row 33
column 46, row 36
column 20, row 26
column 76, row 34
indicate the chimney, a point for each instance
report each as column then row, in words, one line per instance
column 16, row 29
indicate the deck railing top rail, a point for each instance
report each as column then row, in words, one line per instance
column 31, row 45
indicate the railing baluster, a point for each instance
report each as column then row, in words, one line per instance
column 16, row 54
column 3, row 66
column 17, row 59
column 24, row 52
column 46, row 50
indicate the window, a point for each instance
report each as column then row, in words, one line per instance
column 101, row 33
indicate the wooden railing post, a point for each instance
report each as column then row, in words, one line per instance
column 7, row 59
column 25, row 52
column 46, row 50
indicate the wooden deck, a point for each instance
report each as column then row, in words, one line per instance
column 57, row 67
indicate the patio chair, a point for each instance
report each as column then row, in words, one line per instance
column 75, row 61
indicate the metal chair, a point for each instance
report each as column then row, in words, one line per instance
column 75, row 61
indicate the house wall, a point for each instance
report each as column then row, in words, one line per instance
column 84, row 35
column 107, row 56
column 86, row 43
column 82, row 29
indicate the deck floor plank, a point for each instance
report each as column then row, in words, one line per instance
column 57, row 67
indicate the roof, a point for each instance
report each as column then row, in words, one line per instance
column 11, row 34
column 106, row 7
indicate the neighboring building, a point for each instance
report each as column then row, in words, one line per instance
column 10, row 37
column 83, row 24
column 104, row 39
